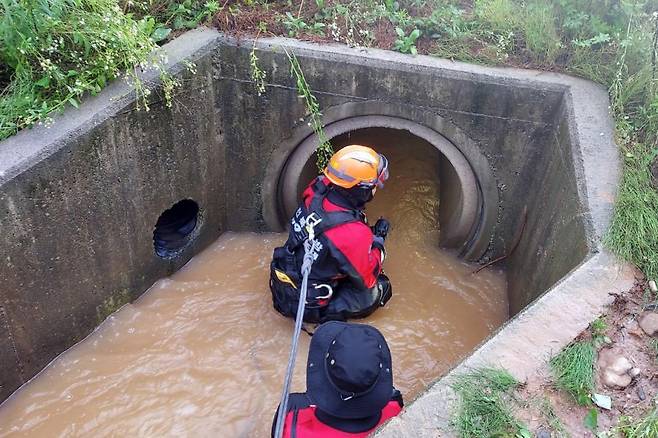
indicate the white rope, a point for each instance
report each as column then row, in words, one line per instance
column 310, row 252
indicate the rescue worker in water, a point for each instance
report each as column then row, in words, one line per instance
column 349, row 385
column 346, row 279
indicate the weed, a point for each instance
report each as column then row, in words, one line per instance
column 646, row 427
column 406, row 43
column 573, row 369
column 484, row 404
column 297, row 26
column 58, row 50
column 324, row 150
column 598, row 328
column 634, row 230
column 160, row 17
column 500, row 16
column 257, row 74
column 541, row 36
column 553, row 420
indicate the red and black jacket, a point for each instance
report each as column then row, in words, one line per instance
column 349, row 248
column 304, row 420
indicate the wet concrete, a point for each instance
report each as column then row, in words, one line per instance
column 100, row 177
column 203, row 352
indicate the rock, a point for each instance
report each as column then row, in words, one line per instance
column 614, row 369
column 612, row 380
column 620, row 366
column 543, row 433
column 634, row 372
column 649, row 323
column 641, row 394
column 653, row 287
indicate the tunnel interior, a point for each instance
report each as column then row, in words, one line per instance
column 443, row 186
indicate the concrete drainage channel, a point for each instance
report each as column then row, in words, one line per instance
column 527, row 163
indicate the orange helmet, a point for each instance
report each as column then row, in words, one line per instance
column 357, row 165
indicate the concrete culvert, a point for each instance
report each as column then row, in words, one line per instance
column 524, row 168
column 175, row 228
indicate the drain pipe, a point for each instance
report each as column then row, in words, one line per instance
column 311, row 250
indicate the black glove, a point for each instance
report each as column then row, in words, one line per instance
column 381, row 228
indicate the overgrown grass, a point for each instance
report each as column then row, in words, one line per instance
column 646, row 427
column 55, row 51
column 485, row 404
column 634, row 230
column 573, row 369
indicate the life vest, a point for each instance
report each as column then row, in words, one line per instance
column 303, row 423
column 316, row 216
column 285, row 275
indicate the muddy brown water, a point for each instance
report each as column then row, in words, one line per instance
column 202, row 353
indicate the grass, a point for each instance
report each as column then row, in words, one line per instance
column 484, row 409
column 646, row 427
column 573, row 369
column 557, row 428
column 634, row 230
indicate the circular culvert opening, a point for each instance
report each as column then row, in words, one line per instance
column 176, row 228
column 460, row 214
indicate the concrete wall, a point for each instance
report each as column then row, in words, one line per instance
column 78, row 204
column 78, row 201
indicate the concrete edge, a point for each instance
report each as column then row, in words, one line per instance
column 525, row 344
column 598, row 163
column 30, row 146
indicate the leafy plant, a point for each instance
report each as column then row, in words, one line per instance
column 406, row 43
column 257, row 74
column 591, row 420
column 297, row 26
column 58, row 50
column 646, row 427
column 324, row 150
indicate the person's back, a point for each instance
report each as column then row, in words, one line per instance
column 346, row 279
column 349, row 385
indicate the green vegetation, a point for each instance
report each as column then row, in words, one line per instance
column 573, row 369
column 557, row 428
column 324, row 150
column 52, row 52
column 646, row 427
column 485, row 396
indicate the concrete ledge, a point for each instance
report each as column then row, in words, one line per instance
column 525, row 344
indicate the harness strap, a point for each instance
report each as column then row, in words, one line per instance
column 325, row 219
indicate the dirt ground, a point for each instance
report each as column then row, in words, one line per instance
column 542, row 406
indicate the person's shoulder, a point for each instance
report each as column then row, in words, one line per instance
column 397, row 397
column 298, row 400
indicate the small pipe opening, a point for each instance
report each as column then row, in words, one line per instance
column 175, row 228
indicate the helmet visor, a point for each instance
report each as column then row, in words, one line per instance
column 382, row 171
column 382, row 174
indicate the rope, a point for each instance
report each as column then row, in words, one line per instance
column 310, row 252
